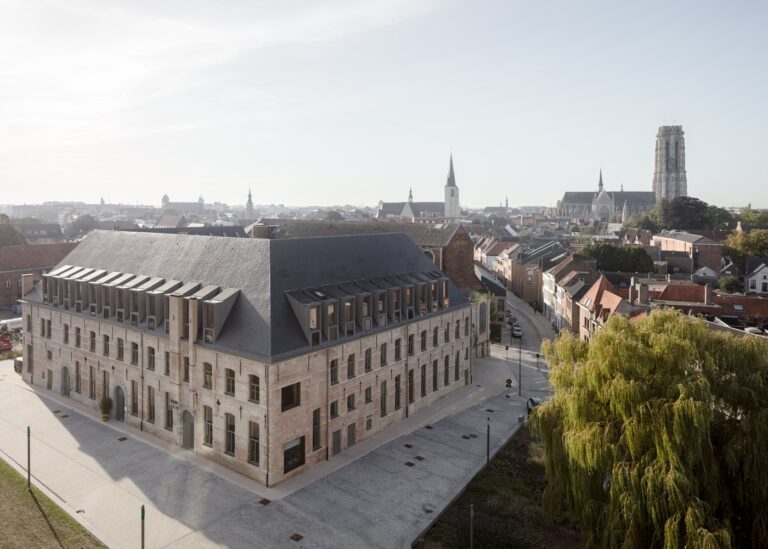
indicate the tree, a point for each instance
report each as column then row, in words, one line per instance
column 754, row 217
column 80, row 227
column 740, row 246
column 687, row 212
column 10, row 235
column 628, row 259
column 333, row 215
column 729, row 284
column 648, row 221
column 657, row 434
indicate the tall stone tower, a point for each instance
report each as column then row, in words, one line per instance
column 249, row 207
column 669, row 179
column 451, row 194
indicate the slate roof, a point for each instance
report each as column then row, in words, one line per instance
column 419, row 208
column 619, row 197
column 261, row 323
column 33, row 256
column 578, row 198
column 208, row 230
column 391, row 208
column 171, row 220
column 34, row 231
column 423, row 234
column 755, row 263
column 686, row 237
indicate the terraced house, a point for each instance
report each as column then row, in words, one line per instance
column 267, row 356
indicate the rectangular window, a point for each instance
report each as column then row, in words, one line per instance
column 254, row 389
column 398, row 349
column 293, row 455
column 434, row 336
column 447, row 333
column 77, row 376
column 313, row 318
column 66, row 334
column 253, row 443
column 383, row 397
column 151, row 358
column 398, row 388
column 92, row 342
column 151, row 404
column 383, row 354
column 368, row 395
column 105, row 344
column 91, row 382
column 466, row 326
column 350, row 402
column 134, row 398
column 207, row 376
column 334, row 411
column 29, row 358
column 411, row 349
column 104, row 383
column 42, row 327
column 168, row 412
column 457, row 330
column 351, row 366
column 316, row 429
column 423, row 380
column 186, row 370
column 134, row 353
column 466, row 353
column 77, row 337
column 434, row 375
column 290, row 396
column 411, row 383
column 229, row 378
column 368, row 359
column 48, row 328
column 423, row 340
column 208, row 425
column 29, row 323
column 368, row 423
column 447, row 371
column 456, row 367
column 334, row 367
column 120, row 349
column 167, row 361
column 229, row 424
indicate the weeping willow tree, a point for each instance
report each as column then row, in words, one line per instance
column 657, row 434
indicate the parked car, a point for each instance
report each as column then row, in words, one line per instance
column 18, row 364
column 517, row 331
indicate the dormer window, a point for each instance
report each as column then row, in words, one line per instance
column 409, row 297
column 446, row 298
column 313, row 318
column 366, row 307
column 349, row 311
column 382, row 303
column 331, row 314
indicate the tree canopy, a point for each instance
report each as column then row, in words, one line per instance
column 657, row 434
column 683, row 212
column 740, row 246
column 754, row 217
column 628, row 259
column 80, row 227
column 11, row 235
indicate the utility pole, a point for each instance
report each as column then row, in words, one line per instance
column 142, row 527
column 29, row 460
column 520, row 368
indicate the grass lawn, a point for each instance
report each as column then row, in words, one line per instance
column 30, row 519
column 507, row 505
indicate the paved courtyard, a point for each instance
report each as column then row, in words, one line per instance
column 380, row 493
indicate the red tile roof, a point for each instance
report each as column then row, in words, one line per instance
column 33, row 256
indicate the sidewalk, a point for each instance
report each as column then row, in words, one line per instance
column 366, row 497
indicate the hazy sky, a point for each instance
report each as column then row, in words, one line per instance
column 353, row 101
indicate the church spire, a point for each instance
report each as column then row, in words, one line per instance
column 600, row 184
column 410, row 194
column 451, row 178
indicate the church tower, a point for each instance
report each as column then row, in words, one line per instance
column 451, row 194
column 249, row 207
column 669, row 180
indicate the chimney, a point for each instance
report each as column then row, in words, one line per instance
column 708, row 294
column 632, row 294
column 643, row 294
column 27, row 283
column 669, row 277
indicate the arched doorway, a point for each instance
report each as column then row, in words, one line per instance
column 119, row 404
column 187, row 430
column 65, row 384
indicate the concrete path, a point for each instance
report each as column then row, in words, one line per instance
column 382, row 493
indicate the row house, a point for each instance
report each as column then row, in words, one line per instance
column 523, row 275
column 599, row 303
column 266, row 356
column 686, row 252
column 554, row 294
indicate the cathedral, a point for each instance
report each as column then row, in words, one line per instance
column 449, row 208
column 669, row 182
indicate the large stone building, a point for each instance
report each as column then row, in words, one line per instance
column 669, row 182
column 604, row 205
column 448, row 209
column 267, row 356
column 669, row 179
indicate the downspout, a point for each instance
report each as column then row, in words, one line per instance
column 267, row 418
column 141, row 411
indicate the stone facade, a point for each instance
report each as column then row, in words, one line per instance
column 669, row 178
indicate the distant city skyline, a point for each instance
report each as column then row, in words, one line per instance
column 343, row 102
